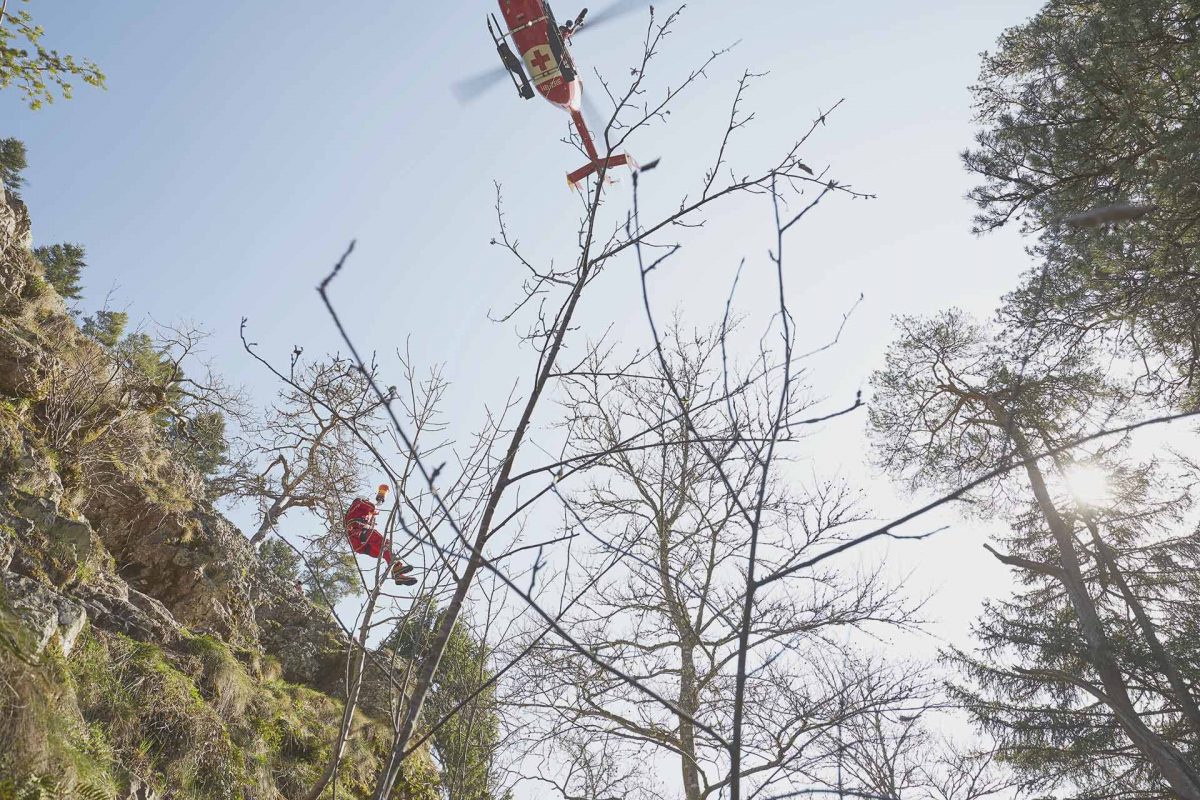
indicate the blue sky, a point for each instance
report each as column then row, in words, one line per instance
column 240, row 146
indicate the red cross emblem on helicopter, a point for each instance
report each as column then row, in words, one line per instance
column 541, row 60
column 542, row 64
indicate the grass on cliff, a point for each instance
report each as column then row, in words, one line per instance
column 198, row 721
column 194, row 722
column 46, row 747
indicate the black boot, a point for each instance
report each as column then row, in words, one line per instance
column 400, row 574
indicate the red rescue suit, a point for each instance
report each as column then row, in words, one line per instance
column 361, row 532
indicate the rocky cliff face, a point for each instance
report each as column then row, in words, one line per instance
column 144, row 651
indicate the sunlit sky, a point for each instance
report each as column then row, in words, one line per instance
column 240, row 146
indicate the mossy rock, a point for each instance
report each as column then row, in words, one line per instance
column 12, row 437
column 24, row 363
column 196, row 719
column 35, row 289
column 191, row 722
column 51, row 547
column 45, row 745
column 29, row 469
column 159, row 724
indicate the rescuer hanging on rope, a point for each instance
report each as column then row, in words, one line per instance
column 568, row 30
column 364, row 538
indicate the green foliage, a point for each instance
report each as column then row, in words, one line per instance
column 945, row 374
column 37, row 73
column 106, row 327
column 299, row 727
column 1089, row 105
column 1048, row 727
column 155, row 716
column 46, row 750
column 35, row 289
column 195, row 433
column 64, row 264
column 12, row 163
column 199, row 440
column 223, row 680
column 280, row 559
column 46, row 787
column 956, row 401
column 139, row 352
column 467, row 744
column 196, row 437
column 334, row 573
column 196, row 722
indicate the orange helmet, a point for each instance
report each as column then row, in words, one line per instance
column 381, row 495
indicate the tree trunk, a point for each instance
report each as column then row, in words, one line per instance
column 268, row 521
column 354, row 674
column 689, row 703
column 1174, row 768
column 689, row 700
column 431, row 662
column 1165, row 662
column 677, row 612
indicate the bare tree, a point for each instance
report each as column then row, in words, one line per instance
column 669, row 616
column 557, row 293
column 493, row 488
column 963, row 774
column 327, row 416
column 896, row 755
column 470, row 510
column 307, row 452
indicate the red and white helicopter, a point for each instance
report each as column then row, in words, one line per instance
column 546, row 63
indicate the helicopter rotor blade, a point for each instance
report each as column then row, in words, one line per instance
column 469, row 89
column 611, row 12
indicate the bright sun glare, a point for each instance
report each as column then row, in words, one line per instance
column 1089, row 484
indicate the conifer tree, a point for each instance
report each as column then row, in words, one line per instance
column 12, row 163
column 64, row 264
column 1091, row 140
column 1088, row 675
column 467, row 743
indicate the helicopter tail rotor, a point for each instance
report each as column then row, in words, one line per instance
column 619, row 160
column 597, row 164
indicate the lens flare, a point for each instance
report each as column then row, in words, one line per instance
column 1089, row 484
